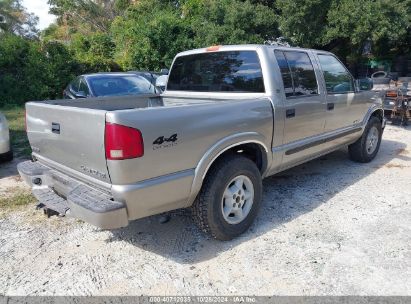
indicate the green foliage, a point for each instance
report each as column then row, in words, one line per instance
column 94, row 51
column 345, row 26
column 303, row 22
column 88, row 15
column 16, row 20
column 31, row 70
column 108, row 35
column 22, row 68
column 230, row 22
column 153, row 31
column 150, row 35
column 381, row 21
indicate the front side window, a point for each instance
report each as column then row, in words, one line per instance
column 285, row 73
column 74, row 85
column 336, row 76
column 225, row 71
column 84, row 88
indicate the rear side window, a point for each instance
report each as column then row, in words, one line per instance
column 296, row 67
column 336, row 76
column 229, row 71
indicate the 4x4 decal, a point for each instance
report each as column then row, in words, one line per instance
column 165, row 142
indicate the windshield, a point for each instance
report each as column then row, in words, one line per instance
column 228, row 71
column 120, row 85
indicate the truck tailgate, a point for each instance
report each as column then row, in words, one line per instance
column 70, row 136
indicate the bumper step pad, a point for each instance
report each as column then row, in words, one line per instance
column 50, row 200
column 90, row 199
column 32, row 168
column 83, row 202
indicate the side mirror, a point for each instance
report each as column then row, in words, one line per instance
column 81, row 94
column 364, row 84
column 161, row 82
column 164, row 71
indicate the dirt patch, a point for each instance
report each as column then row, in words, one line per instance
column 400, row 166
column 402, row 151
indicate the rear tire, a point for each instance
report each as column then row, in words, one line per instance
column 229, row 199
column 366, row 147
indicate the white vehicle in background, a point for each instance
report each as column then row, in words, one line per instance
column 5, row 148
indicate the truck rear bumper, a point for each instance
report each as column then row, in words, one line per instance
column 67, row 196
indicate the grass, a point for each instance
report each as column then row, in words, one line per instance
column 18, row 198
column 16, row 120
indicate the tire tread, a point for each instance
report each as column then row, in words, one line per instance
column 200, row 207
column 357, row 151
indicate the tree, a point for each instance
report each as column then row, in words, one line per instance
column 95, row 51
column 61, row 67
column 345, row 26
column 32, row 70
column 87, row 15
column 150, row 34
column 230, row 22
column 14, row 19
column 304, row 22
column 383, row 22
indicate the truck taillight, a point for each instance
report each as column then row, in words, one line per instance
column 123, row 142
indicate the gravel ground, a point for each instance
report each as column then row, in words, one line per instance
column 328, row 227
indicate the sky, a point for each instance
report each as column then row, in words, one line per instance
column 41, row 9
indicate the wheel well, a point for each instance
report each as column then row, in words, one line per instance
column 379, row 114
column 253, row 151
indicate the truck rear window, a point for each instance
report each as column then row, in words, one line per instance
column 226, row 71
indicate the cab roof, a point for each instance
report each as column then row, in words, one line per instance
column 243, row 47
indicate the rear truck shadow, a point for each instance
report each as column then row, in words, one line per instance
column 9, row 169
column 286, row 196
column 21, row 152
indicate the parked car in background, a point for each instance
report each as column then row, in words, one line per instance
column 108, row 84
column 151, row 76
column 5, row 148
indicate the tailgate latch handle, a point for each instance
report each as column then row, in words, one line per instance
column 55, row 127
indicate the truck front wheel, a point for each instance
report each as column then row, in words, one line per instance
column 366, row 147
column 229, row 198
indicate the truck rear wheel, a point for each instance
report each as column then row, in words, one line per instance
column 366, row 147
column 229, row 198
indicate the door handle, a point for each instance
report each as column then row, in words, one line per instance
column 330, row 106
column 290, row 113
column 55, row 127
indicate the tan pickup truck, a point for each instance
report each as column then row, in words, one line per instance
column 229, row 117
